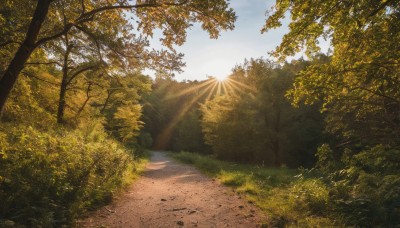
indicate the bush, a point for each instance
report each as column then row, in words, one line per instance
column 364, row 186
column 310, row 195
column 48, row 178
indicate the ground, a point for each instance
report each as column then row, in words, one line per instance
column 170, row 194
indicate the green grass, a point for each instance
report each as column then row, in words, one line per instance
column 289, row 199
column 135, row 169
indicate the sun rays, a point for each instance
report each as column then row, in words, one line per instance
column 204, row 91
column 214, row 86
column 221, row 78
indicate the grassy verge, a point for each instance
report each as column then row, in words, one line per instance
column 289, row 198
column 132, row 172
column 135, row 169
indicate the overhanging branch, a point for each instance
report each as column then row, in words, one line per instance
column 88, row 16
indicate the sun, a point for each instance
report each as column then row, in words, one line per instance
column 221, row 78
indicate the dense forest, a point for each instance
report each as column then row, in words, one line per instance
column 244, row 118
column 78, row 112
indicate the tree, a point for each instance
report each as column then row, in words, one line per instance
column 358, row 86
column 92, row 51
column 189, row 135
column 231, row 127
column 13, row 19
column 289, row 135
column 172, row 17
column 359, row 83
column 71, row 70
column 127, row 120
column 172, row 116
column 121, row 106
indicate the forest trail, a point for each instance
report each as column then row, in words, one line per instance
column 170, row 194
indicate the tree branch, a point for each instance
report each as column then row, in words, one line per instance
column 91, row 35
column 55, row 36
column 9, row 42
column 83, row 7
column 378, row 94
column 381, row 7
column 144, row 5
column 42, row 63
column 86, row 100
column 80, row 72
column 88, row 16
column 109, row 93
column 40, row 79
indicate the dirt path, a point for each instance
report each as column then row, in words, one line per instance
column 173, row 195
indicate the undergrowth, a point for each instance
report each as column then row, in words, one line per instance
column 49, row 177
column 288, row 198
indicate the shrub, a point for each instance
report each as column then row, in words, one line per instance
column 312, row 195
column 364, row 186
column 48, row 178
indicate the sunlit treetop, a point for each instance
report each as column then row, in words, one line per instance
column 359, row 83
column 213, row 16
column 339, row 21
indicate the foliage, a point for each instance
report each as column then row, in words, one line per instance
column 346, row 23
column 365, row 187
column 289, row 200
column 121, row 108
column 28, row 105
column 358, row 84
column 49, row 177
column 91, row 26
column 127, row 120
column 228, row 122
column 256, row 123
column 172, row 117
column 145, row 140
column 86, row 55
column 13, row 20
column 173, row 20
column 189, row 136
column 50, row 174
column 363, row 192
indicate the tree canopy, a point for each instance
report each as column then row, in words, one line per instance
column 358, row 84
column 53, row 19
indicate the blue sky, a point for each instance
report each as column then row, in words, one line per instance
column 207, row 57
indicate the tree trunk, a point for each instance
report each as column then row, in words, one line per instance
column 64, row 83
column 109, row 93
column 276, row 143
column 276, row 149
column 85, row 102
column 61, row 101
column 23, row 53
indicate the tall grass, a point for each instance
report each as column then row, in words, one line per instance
column 289, row 199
